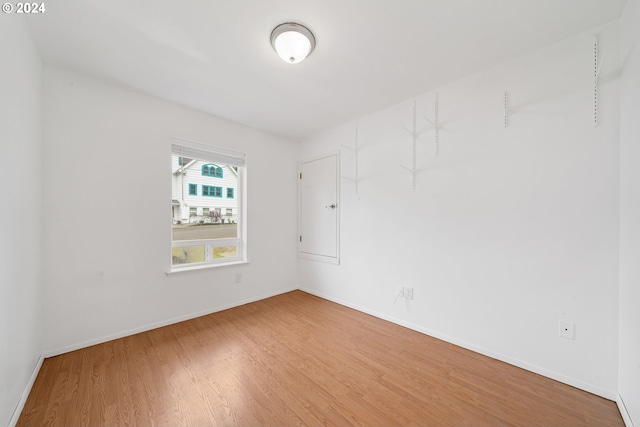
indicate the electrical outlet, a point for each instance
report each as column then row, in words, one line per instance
column 408, row 293
column 567, row 330
column 238, row 278
column 400, row 291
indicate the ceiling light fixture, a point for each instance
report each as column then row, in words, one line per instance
column 293, row 42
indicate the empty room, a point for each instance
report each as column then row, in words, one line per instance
column 320, row 213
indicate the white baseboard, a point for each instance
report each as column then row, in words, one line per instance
column 25, row 394
column 623, row 411
column 574, row 382
column 148, row 327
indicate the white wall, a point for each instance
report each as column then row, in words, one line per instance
column 629, row 388
column 108, row 148
column 509, row 230
column 20, row 216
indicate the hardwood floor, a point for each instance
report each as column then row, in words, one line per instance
column 297, row 360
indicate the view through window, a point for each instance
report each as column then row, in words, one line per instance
column 206, row 205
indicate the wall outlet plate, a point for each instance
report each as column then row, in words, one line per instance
column 408, row 293
column 567, row 329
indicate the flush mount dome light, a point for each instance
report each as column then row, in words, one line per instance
column 293, row 42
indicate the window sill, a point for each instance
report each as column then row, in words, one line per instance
column 205, row 267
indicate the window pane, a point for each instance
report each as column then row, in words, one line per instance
column 207, row 215
column 225, row 251
column 187, row 254
column 206, row 206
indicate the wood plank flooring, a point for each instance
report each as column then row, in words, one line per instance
column 297, row 360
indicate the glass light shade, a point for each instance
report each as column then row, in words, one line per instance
column 292, row 46
column 293, row 42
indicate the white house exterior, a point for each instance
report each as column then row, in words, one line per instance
column 203, row 192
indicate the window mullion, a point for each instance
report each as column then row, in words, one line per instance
column 209, row 252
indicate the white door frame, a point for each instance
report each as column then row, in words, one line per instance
column 306, row 255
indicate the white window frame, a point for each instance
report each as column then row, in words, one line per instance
column 195, row 150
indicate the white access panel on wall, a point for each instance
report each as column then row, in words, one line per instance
column 318, row 209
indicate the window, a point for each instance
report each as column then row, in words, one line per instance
column 212, row 170
column 208, row 190
column 208, row 239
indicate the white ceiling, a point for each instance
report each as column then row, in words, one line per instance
column 215, row 55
